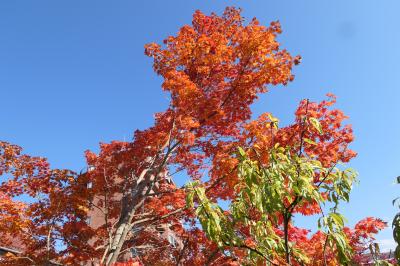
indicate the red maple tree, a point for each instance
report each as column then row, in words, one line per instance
column 213, row 71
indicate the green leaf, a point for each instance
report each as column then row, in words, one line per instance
column 315, row 123
column 394, row 201
column 189, row 199
column 242, row 152
column 309, row 141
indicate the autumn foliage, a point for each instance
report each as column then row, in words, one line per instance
column 213, row 70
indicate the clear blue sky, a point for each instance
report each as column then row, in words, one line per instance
column 73, row 73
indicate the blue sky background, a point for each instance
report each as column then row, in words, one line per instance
column 73, row 74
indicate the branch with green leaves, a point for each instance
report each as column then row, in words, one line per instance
column 263, row 197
